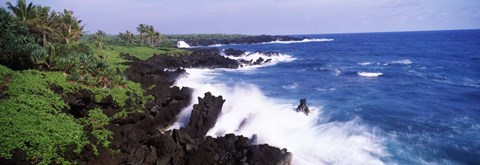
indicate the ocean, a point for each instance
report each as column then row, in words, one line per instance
column 376, row 98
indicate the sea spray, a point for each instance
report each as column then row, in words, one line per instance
column 272, row 58
column 247, row 111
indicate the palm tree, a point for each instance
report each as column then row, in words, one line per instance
column 126, row 37
column 150, row 32
column 129, row 36
column 69, row 28
column 23, row 11
column 44, row 24
column 99, row 38
column 158, row 38
column 142, row 32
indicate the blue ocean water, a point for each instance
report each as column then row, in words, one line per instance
column 425, row 103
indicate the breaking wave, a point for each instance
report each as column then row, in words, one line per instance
column 404, row 62
column 248, row 111
column 369, row 74
column 182, row 44
column 248, row 59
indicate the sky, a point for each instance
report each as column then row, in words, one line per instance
column 271, row 16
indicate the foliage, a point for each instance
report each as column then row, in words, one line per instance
column 47, row 25
column 4, row 71
column 127, row 37
column 31, row 119
column 69, row 28
column 148, row 35
column 23, row 11
column 99, row 39
column 97, row 120
column 132, row 91
column 77, row 60
column 177, row 37
column 114, row 51
column 17, row 46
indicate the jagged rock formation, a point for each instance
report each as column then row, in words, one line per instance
column 204, row 115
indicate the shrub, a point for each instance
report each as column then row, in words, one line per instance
column 4, row 71
column 17, row 46
column 31, row 120
column 97, row 120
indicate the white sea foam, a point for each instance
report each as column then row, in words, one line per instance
column 364, row 63
column 290, row 86
column 404, row 62
column 275, row 122
column 182, row 44
column 218, row 45
column 274, row 58
column 369, row 74
column 300, row 41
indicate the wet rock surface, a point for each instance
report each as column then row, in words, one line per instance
column 302, row 107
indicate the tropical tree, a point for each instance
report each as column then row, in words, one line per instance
column 36, row 17
column 126, row 37
column 142, row 29
column 24, row 12
column 69, row 28
column 99, row 38
column 17, row 45
column 150, row 32
column 158, row 38
column 44, row 24
column 129, row 36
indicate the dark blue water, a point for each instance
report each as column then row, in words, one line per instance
column 427, row 102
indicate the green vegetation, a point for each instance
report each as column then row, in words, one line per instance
column 176, row 37
column 31, row 119
column 4, row 71
column 47, row 48
column 131, row 91
column 114, row 52
column 97, row 121
column 17, row 45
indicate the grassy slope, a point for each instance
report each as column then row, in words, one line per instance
column 113, row 53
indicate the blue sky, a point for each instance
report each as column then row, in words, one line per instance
column 272, row 16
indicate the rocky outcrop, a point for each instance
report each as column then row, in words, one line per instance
column 138, row 143
column 302, row 107
column 232, row 149
column 187, row 145
column 204, row 115
column 234, row 52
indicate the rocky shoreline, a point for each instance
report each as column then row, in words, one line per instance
column 142, row 139
column 239, row 40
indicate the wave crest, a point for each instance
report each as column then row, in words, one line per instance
column 369, row 74
column 182, row 44
column 404, row 62
column 259, row 59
